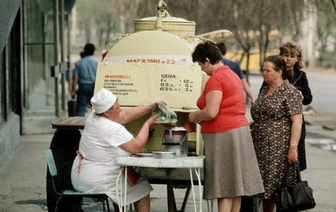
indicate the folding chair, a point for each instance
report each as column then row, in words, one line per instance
column 70, row 192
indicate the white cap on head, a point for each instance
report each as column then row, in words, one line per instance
column 103, row 100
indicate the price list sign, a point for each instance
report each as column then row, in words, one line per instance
column 134, row 84
column 176, row 83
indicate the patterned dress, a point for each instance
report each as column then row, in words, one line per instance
column 271, row 134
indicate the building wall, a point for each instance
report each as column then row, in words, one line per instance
column 10, row 88
column 33, row 43
column 10, row 138
column 8, row 12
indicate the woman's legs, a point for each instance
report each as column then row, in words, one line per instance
column 269, row 205
column 143, row 205
column 230, row 204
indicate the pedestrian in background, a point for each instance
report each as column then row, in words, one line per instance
column 236, row 69
column 231, row 168
column 276, row 128
column 291, row 53
column 83, row 79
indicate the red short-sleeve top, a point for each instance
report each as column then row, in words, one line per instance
column 232, row 110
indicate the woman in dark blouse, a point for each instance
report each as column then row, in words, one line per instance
column 291, row 53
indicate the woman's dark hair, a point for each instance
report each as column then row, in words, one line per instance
column 207, row 49
column 279, row 64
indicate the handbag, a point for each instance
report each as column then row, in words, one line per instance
column 294, row 198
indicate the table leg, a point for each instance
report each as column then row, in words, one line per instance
column 171, row 198
column 125, row 191
column 186, row 196
column 197, row 172
column 210, row 204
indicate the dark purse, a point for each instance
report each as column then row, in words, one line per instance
column 294, row 198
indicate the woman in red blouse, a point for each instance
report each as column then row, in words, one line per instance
column 231, row 168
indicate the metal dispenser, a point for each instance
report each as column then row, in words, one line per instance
column 175, row 140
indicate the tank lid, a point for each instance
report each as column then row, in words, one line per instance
column 164, row 22
column 167, row 18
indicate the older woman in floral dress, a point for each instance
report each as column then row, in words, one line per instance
column 277, row 116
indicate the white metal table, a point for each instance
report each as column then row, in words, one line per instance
column 194, row 163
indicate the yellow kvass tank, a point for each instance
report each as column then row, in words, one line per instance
column 155, row 64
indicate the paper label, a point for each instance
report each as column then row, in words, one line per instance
column 143, row 83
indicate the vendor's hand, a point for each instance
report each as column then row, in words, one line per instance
column 292, row 156
column 152, row 120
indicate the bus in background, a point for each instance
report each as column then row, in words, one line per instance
column 249, row 54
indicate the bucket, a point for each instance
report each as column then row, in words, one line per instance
column 176, row 140
column 174, row 136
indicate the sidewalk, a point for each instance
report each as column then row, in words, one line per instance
column 23, row 178
column 23, row 182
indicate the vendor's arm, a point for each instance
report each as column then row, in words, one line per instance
column 136, row 145
column 296, row 120
column 131, row 114
column 213, row 100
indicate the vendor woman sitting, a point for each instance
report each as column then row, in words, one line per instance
column 105, row 138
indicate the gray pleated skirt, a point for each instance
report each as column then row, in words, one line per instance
column 231, row 167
